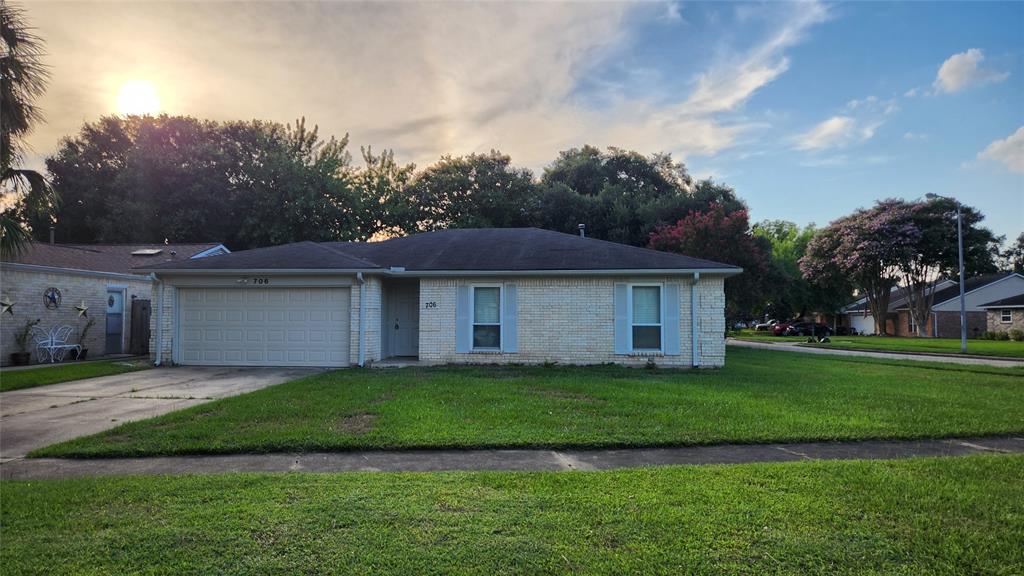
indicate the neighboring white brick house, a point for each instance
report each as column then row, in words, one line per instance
column 86, row 275
column 24, row 287
column 455, row 296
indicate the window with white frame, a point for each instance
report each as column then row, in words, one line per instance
column 646, row 318
column 911, row 326
column 487, row 318
column 1006, row 316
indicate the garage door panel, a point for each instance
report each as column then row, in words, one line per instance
column 264, row 326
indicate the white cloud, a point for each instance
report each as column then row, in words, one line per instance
column 836, row 131
column 422, row 80
column 1009, row 151
column 919, row 136
column 728, row 84
column 913, row 92
column 963, row 69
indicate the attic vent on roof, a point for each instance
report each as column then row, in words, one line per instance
column 147, row 252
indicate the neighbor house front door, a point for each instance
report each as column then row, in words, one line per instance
column 115, row 321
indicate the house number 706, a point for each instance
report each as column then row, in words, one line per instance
column 430, row 305
column 261, row 280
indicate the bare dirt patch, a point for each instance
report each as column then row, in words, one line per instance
column 356, row 423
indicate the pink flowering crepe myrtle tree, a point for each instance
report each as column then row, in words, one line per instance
column 866, row 248
column 899, row 243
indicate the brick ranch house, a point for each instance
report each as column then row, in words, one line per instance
column 1006, row 314
column 518, row 295
column 944, row 319
column 50, row 282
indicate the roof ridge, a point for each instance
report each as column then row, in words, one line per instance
column 330, row 249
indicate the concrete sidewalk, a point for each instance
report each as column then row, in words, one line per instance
column 540, row 460
column 786, row 346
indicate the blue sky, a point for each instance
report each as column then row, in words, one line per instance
column 809, row 110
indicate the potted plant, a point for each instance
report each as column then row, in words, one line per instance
column 81, row 354
column 21, row 339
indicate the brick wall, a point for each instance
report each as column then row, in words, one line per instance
column 167, row 322
column 996, row 324
column 949, row 324
column 25, row 288
column 569, row 320
column 373, row 320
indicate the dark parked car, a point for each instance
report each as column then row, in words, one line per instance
column 846, row 331
column 808, row 329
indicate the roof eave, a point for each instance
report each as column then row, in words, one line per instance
column 429, row 273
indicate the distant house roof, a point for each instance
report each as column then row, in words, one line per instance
column 947, row 290
column 969, row 285
column 1011, row 302
column 116, row 258
column 458, row 250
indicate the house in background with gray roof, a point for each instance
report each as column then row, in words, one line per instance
column 944, row 319
column 54, row 282
column 516, row 295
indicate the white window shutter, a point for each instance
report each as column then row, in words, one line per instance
column 463, row 320
column 670, row 324
column 509, row 331
column 621, row 319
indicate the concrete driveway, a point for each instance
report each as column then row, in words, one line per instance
column 38, row 417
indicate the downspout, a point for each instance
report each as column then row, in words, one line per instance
column 159, row 319
column 694, row 329
column 362, row 319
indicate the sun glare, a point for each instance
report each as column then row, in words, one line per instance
column 137, row 97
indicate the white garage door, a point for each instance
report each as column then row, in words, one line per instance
column 264, row 326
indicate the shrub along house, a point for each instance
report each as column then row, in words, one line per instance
column 518, row 295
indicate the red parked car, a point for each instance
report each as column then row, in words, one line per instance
column 780, row 328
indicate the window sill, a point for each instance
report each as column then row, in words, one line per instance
column 641, row 353
column 486, row 351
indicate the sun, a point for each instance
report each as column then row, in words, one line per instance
column 137, row 97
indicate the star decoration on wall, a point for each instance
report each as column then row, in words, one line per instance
column 82, row 309
column 6, row 305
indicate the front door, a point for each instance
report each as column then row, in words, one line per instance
column 115, row 321
column 406, row 322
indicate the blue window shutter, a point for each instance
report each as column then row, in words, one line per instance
column 463, row 320
column 509, row 332
column 621, row 319
column 671, row 321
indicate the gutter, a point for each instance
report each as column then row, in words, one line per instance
column 694, row 328
column 158, row 356
column 362, row 319
column 429, row 273
column 17, row 266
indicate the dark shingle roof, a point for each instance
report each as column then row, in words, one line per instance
column 1012, row 301
column 482, row 249
column 296, row 256
column 107, row 257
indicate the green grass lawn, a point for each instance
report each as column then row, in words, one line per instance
column 999, row 348
column 18, row 379
column 961, row 515
column 760, row 396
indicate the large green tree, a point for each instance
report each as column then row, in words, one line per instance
column 23, row 193
column 147, row 179
column 788, row 293
column 622, row 195
column 474, row 191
